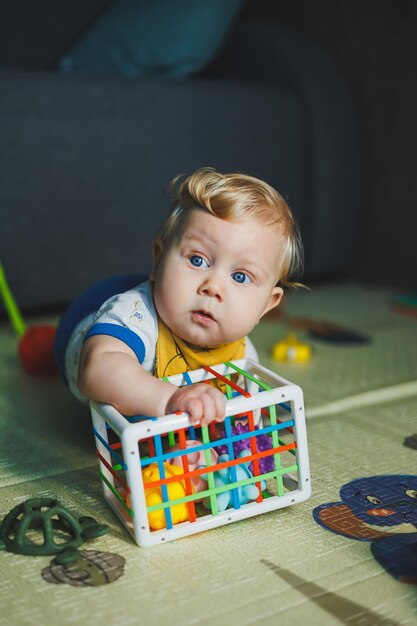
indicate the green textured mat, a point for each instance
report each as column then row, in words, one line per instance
column 339, row 371
column 279, row 568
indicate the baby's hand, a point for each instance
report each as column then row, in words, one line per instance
column 203, row 402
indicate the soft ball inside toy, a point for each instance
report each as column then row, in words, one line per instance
column 195, row 459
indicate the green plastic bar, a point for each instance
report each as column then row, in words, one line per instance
column 10, row 304
column 277, row 458
column 264, row 386
column 212, row 492
column 210, row 478
column 229, row 393
column 116, row 493
column 272, row 415
column 229, row 396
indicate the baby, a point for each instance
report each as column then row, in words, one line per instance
column 220, row 262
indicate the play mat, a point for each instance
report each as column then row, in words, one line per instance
column 319, row 562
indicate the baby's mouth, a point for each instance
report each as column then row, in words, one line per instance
column 202, row 317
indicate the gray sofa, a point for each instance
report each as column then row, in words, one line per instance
column 85, row 161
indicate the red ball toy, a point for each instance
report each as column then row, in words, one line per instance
column 36, row 350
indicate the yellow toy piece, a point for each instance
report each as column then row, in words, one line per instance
column 290, row 350
column 153, row 495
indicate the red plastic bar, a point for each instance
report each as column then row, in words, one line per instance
column 115, row 474
column 254, row 450
column 226, row 381
column 219, row 466
column 266, row 412
column 188, row 486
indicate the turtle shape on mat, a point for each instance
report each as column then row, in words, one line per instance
column 43, row 526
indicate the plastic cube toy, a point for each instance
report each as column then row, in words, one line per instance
column 166, row 479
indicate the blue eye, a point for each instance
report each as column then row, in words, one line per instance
column 241, row 277
column 198, row 261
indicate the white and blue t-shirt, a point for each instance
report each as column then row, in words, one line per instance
column 130, row 317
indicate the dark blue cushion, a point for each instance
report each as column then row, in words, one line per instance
column 153, row 38
column 90, row 300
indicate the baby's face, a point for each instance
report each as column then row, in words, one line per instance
column 215, row 282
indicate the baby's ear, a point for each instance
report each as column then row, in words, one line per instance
column 274, row 299
column 157, row 249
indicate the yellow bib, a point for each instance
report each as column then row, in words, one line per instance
column 174, row 355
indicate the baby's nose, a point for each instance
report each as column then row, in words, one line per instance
column 212, row 286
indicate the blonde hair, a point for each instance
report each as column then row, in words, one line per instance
column 236, row 196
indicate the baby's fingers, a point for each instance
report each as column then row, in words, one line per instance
column 195, row 408
column 217, row 404
column 202, row 402
column 209, row 409
column 220, row 401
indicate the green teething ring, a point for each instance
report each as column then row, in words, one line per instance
column 57, row 529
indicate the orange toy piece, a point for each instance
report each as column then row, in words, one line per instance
column 153, row 495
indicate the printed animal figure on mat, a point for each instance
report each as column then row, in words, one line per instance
column 382, row 510
column 220, row 262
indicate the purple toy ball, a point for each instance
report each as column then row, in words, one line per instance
column 263, row 442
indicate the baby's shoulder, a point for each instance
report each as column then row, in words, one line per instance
column 133, row 307
column 139, row 301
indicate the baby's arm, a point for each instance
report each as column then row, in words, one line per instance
column 110, row 372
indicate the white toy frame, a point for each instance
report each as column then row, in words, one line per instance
column 271, row 405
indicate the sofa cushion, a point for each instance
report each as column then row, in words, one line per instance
column 153, row 38
column 85, row 165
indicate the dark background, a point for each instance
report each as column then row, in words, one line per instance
column 375, row 43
